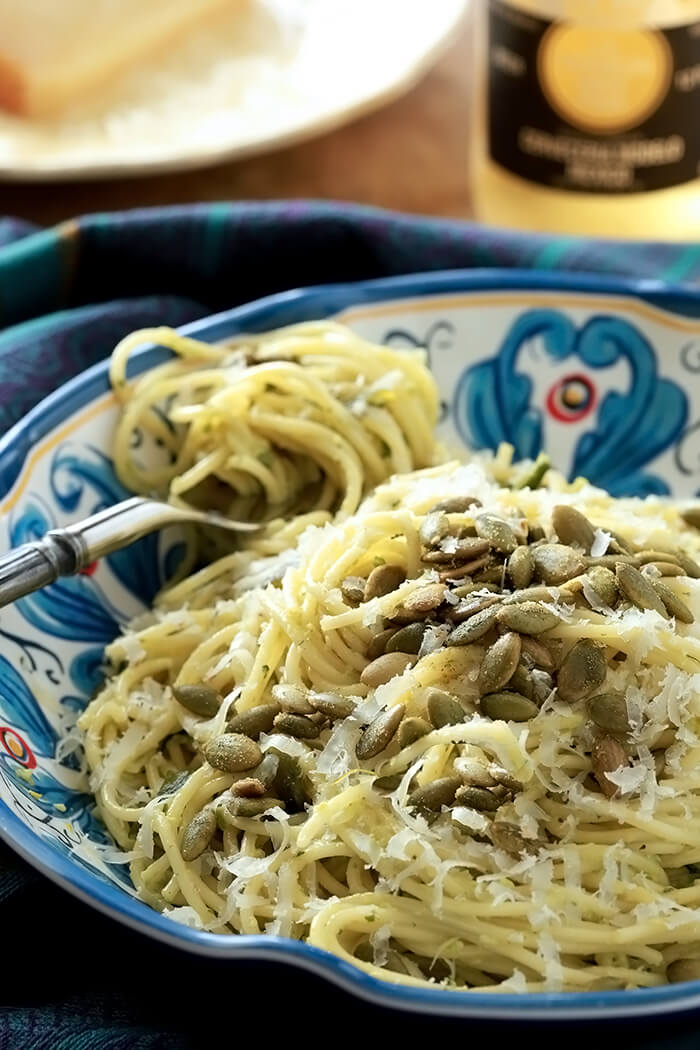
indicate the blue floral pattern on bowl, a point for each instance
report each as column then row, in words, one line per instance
column 603, row 376
column 620, row 432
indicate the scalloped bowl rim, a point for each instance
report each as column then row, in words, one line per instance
column 273, row 311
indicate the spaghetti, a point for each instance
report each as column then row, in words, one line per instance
column 440, row 719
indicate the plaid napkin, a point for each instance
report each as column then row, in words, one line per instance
column 71, row 979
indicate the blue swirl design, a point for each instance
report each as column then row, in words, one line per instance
column 492, row 401
column 440, row 336
column 74, row 610
column 82, row 480
column 48, row 793
column 20, row 709
column 66, row 818
column 86, row 671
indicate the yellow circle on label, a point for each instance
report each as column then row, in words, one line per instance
column 604, row 80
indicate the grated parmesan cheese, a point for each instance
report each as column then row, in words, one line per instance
column 601, row 542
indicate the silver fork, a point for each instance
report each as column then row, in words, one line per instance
column 63, row 552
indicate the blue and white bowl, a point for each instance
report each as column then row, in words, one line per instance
column 603, row 375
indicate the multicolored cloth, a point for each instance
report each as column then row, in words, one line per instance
column 72, row 980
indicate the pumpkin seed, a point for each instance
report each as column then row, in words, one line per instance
column 434, row 527
column 464, row 609
column 172, row 782
column 609, row 712
column 504, row 778
column 353, row 589
column 674, row 605
column 248, row 787
column 292, row 699
column 521, row 682
column 435, row 795
column 296, row 725
column 382, row 580
column 497, row 531
column 638, row 589
column 508, row 706
column 456, row 504
column 659, row 764
column 386, row 667
column 412, row 729
column 249, row 807
column 506, row 836
column 473, row 628
column 290, row 783
column 582, row 671
column 665, row 738
column 604, row 583
column 527, row 618
column 198, row 834
column 420, row 603
column 536, row 654
column 453, row 550
column 680, row 878
column 535, row 594
column 377, row 644
column 555, row 563
column 443, row 709
column 492, row 572
column 691, row 516
column 662, row 568
column 470, row 568
column 200, row 699
column 465, row 590
column 438, row 969
column 689, row 564
column 572, row 527
column 254, row 722
column 380, row 732
column 521, row 567
column 332, row 706
column 618, row 544
column 472, row 771
column 683, row 970
column 266, row 772
column 387, row 783
column 467, row 549
column 477, row 797
column 645, row 557
column 364, row 950
column 232, row 753
column 499, row 662
column 607, row 755
column 610, row 561
column 408, row 639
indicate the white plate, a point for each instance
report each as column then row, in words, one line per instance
column 268, row 74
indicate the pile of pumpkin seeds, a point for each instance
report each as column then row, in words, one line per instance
column 499, row 583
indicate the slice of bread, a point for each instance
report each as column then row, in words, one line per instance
column 53, row 52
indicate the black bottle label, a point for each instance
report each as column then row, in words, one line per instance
column 593, row 109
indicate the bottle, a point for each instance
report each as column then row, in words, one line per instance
column 588, row 117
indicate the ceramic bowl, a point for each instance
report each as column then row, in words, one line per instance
column 604, row 375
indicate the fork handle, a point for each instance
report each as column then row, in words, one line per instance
column 63, row 552
column 33, row 565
